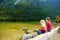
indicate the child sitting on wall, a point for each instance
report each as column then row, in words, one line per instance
column 42, row 28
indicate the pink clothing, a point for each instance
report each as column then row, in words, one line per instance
column 49, row 25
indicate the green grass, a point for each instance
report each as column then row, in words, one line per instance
column 13, row 30
column 15, row 25
column 59, row 31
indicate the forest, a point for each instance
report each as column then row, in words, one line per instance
column 28, row 10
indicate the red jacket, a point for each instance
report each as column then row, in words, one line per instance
column 49, row 25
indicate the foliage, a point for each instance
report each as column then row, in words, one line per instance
column 58, row 18
column 26, row 11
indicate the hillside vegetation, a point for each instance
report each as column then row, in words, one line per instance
column 28, row 10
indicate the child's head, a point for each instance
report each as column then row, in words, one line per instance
column 47, row 18
column 42, row 22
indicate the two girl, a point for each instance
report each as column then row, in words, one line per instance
column 45, row 27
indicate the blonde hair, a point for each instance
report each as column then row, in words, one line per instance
column 42, row 22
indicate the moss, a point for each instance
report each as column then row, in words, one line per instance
column 59, row 30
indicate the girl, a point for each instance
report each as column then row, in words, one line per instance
column 48, row 24
column 42, row 28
